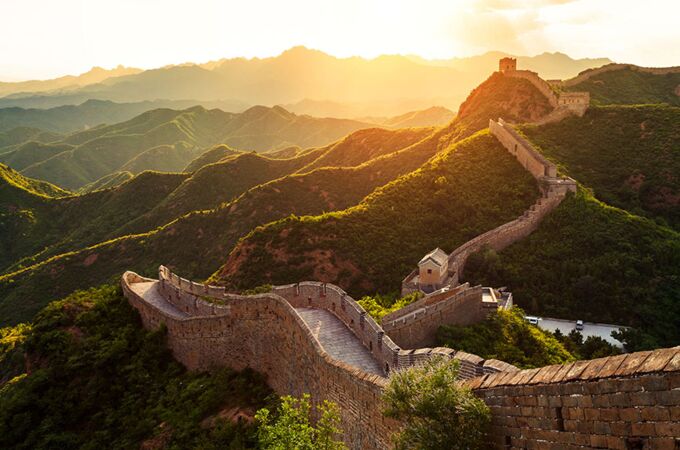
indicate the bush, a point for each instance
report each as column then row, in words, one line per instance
column 507, row 336
column 437, row 412
column 290, row 427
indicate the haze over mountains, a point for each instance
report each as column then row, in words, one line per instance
column 305, row 81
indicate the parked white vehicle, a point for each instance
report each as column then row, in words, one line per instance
column 532, row 319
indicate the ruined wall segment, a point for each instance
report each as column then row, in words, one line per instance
column 630, row 401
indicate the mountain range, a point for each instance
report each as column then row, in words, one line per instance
column 306, row 81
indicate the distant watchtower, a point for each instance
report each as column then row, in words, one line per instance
column 507, row 65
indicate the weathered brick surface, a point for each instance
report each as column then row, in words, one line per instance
column 617, row 402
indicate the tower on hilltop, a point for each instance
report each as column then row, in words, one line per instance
column 507, row 65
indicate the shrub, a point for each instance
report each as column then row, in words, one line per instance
column 437, row 412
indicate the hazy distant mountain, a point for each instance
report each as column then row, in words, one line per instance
column 70, row 118
column 94, row 75
column 548, row 65
column 384, row 86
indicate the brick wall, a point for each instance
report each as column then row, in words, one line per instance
column 628, row 401
column 538, row 82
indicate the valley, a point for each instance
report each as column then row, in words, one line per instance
column 247, row 236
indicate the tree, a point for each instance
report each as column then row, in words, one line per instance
column 290, row 427
column 437, row 412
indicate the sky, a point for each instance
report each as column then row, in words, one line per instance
column 41, row 39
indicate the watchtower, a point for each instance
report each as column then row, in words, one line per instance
column 507, row 65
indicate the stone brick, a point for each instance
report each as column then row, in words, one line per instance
column 598, row 441
column 664, row 443
column 643, row 429
column 616, row 443
column 655, row 414
column 670, row 429
column 609, row 414
column 630, row 414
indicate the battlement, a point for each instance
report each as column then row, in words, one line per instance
column 563, row 103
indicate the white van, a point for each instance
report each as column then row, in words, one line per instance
column 532, row 319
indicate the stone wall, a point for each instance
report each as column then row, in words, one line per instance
column 506, row 234
column 265, row 333
column 418, row 327
column 538, row 82
column 626, row 401
column 629, row 401
column 521, row 149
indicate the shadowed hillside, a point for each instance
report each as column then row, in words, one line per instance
column 199, row 242
column 374, row 245
column 86, row 373
column 628, row 155
column 628, row 87
column 593, row 262
column 168, row 140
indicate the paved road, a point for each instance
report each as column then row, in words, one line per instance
column 602, row 330
column 338, row 340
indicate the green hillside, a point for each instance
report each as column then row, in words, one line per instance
column 107, row 181
column 14, row 185
column 42, row 227
column 593, row 262
column 169, row 140
column 628, row 155
column 212, row 155
column 23, row 155
column 196, row 244
column 630, row 87
column 217, row 183
column 367, row 144
column 470, row 188
column 19, row 135
column 85, row 374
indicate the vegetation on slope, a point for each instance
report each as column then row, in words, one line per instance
column 18, row 135
column 196, row 244
column 364, row 145
column 628, row 155
column 166, row 139
column 507, row 336
column 594, row 262
column 86, row 374
column 14, row 186
column 466, row 190
column 38, row 227
column 107, row 181
column 630, row 87
column 514, row 99
column 212, row 155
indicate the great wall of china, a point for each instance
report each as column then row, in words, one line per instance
column 312, row 337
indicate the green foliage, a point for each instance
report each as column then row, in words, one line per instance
column 378, row 306
column 597, row 263
column 590, row 348
column 467, row 189
column 91, row 377
column 507, row 336
column 437, row 412
column 629, row 87
column 628, row 155
column 290, row 427
column 195, row 244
